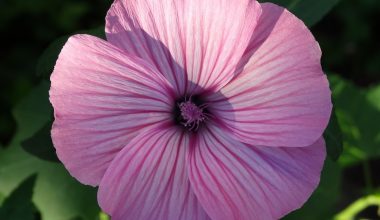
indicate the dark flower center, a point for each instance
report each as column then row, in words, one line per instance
column 191, row 113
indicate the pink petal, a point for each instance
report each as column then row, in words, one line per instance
column 189, row 40
column 282, row 97
column 233, row 180
column 102, row 98
column 148, row 179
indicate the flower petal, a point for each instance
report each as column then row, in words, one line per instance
column 282, row 97
column 148, row 179
column 192, row 42
column 102, row 98
column 233, row 180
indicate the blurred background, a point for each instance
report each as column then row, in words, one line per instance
column 34, row 186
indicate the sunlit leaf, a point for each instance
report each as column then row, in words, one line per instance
column 358, row 113
column 18, row 205
column 57, row 195
column 333, row 138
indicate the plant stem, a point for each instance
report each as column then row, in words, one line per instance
column 367, row 177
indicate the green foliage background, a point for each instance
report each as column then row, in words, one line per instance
column 33, row 186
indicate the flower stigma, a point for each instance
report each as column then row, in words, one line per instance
column 191, row 114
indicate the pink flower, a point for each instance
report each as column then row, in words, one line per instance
column 193, row 109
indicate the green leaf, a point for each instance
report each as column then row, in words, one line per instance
column 358, row 114
column 373, row 96
column 321, row 204
column 333, row 138
column 57, row 195
column 46, row 62
column 309, row 11
column 41, row 145
column 2, row 197
column 19, row 205
column 33, row 112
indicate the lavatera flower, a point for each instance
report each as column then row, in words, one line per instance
column 193, row 110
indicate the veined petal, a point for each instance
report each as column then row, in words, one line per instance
column 281, row 97
column 194, row 43
column 235, row 181
column 102, row 98
column 148, row 179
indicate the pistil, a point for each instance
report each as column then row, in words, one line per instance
column 192, row 114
